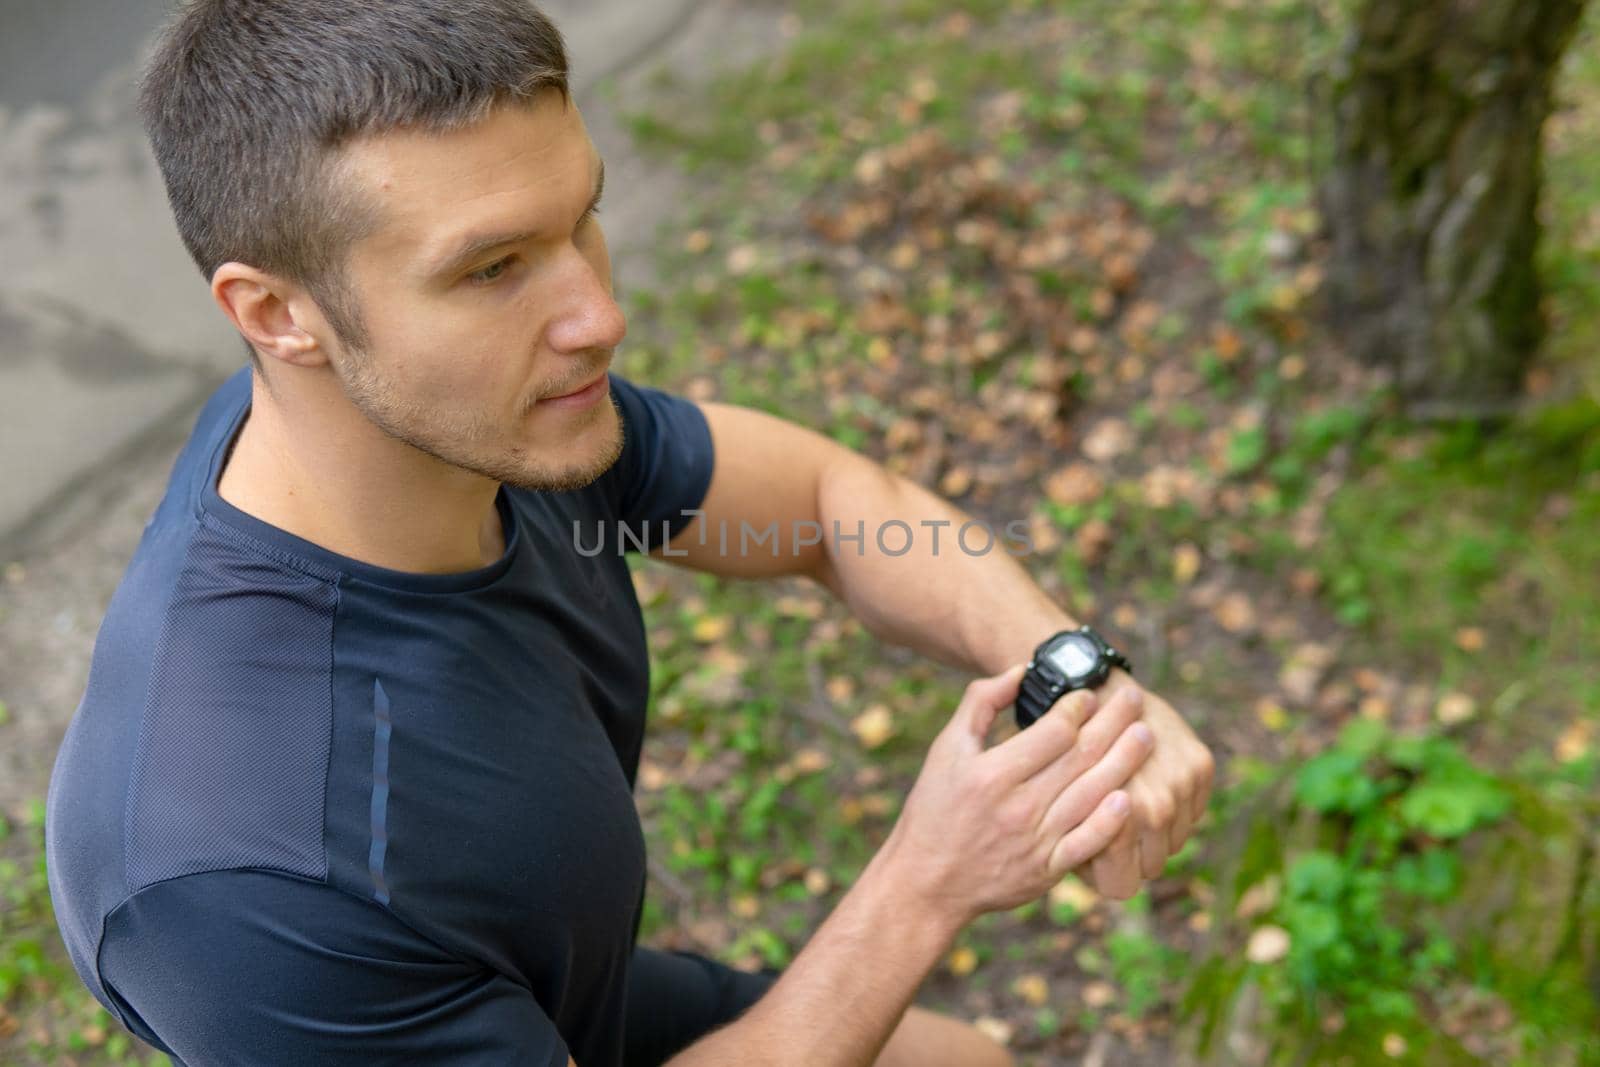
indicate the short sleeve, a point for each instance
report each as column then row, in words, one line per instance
column 666, row 462
column 251, row 966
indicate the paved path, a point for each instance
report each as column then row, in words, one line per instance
column 107, row 332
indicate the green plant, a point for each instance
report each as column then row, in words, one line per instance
column 1390, row 809
column 1144, row 967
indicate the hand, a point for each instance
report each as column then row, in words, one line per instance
column 1169, row 794
column 988, row 830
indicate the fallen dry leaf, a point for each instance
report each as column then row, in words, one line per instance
column 878, row 805
column 869, row 168
column 1271, row 714
column 647, row 587
column 742, row 260
column 1259, row 898
column 1302, row 672
column 709, row 628
column 1375, row 707
column 874, row 726
column 997, row 1030
column 652, row 776
column 1455, row 707
column 1305, row 581
column 1072, row 892
column 1108, row 439
column 799, row 607
column 1042, row 534
column 1076, row 483
column 962, row 962
column 1092, row 539
column 1227, row 342
column 1573, row 744
column 810, row 761
column 1098, row 994
column 1032, row 988
column 1235, row 613
column 956, row 481
column 1268, row 944
column 1185, row 562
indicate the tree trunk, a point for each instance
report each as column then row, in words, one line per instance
column 1432, row 194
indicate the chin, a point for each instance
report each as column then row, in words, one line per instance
column 572, row 463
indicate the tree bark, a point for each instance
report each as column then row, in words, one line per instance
column 1432, row 194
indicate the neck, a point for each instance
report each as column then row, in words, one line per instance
column 312, row 466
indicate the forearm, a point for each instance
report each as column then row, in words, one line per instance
column 979, row 611
column 840, row 1000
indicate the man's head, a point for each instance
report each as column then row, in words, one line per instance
column 396, row 195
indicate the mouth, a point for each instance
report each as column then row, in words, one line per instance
column 582, row 396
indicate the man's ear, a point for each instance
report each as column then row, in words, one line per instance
column 276, row 317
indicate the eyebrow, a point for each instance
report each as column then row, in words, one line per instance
column 479, row 244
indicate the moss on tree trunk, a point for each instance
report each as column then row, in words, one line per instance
column 1432, row 195
column 1525, row 921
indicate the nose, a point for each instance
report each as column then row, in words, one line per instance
column 587, row 316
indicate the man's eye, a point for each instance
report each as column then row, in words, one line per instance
column 493, row 272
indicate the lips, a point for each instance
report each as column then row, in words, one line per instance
column 587, row 385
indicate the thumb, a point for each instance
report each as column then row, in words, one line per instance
column 985, row 699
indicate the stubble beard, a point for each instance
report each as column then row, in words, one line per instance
column 469, row 442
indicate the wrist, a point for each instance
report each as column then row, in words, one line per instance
column 1015, row 642
column 913, row 891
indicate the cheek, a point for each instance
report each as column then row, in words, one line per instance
column 461, row 343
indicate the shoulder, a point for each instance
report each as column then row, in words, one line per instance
column 667, row 456
column 232, row 751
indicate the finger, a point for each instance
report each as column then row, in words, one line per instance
column 1205, row 773
column 1091, row 836
column 1046, row 741
column 984, row 699
column 1182, row 819
column 1153, row 844
column 1076, row 799
column 1095, row 739
column 1116, row 868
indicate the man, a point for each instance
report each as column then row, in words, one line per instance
column 352, row 779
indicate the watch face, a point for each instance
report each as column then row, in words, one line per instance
column 1075, row 656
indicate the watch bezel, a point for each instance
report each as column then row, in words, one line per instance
column 1059, row 679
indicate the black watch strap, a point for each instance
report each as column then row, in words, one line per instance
column 1036, row 695
column 1033, row 699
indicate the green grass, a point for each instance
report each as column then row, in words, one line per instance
column 1480, row 529
column 53, row 1014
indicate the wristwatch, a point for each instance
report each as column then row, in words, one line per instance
column 1069, row 660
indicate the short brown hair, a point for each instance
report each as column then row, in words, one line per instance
column 246, row 101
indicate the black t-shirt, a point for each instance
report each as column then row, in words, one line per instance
column 311, row 810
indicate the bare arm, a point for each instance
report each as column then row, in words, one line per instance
column 982, row 830
column 948, row 599
column 844, row 994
